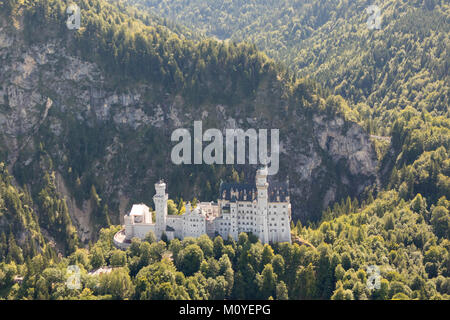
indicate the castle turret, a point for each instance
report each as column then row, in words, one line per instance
column 262, row 187
column 160, row 200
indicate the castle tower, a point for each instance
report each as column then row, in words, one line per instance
column 262, row 201
column 160, row 200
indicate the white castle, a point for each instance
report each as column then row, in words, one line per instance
column 259, row 208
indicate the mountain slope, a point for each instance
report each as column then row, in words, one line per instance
column 404, row 63
column 102, row 102
column 395, row 77
column 86, row 118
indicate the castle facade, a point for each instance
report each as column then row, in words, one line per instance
column 263, row 209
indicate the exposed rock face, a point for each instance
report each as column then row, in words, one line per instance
column 121, row 136
column 350, row 145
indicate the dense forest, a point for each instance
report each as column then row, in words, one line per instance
column 407, row 240
column 404, row 63
column 134, row 50
column 394, row 82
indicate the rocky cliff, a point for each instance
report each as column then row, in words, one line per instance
column 117, row 138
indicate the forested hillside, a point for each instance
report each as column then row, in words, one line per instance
column 102, row 101
column 404, row 63
column 407, row 242
column 86, row 117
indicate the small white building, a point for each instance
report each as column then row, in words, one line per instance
column 263, row 209
column 139, row 222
